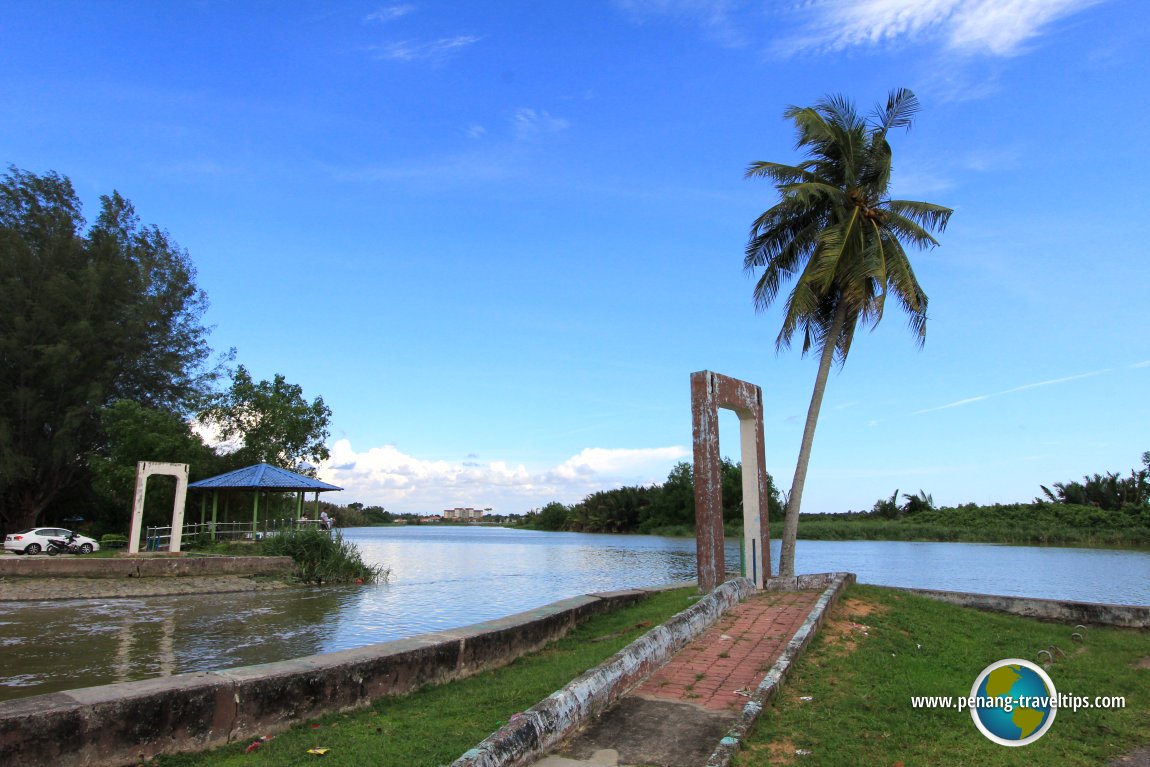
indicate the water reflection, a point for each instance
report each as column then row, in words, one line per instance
column 62, row 645
column 1084, row 575
column 448, row 577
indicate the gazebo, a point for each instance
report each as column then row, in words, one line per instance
column 260, row 479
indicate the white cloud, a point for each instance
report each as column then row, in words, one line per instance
column 209, row 432
column 435, row 51
column 390, row 13
column 997, row 27
column 386, row 476
column 1024, row 387
column 600, row 462
column 530, row 122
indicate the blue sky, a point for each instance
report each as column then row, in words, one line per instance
column 497, row 237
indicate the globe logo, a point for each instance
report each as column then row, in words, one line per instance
column 1013, row 702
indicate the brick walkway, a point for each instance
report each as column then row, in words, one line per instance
column 734, row 654
column 679, row 715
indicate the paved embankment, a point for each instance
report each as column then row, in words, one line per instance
column 1126, row 616
column 127, row 723
column 140, row 566
column 40, row 578
column 54, row 589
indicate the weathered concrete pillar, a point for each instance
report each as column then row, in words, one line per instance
column 709, row 392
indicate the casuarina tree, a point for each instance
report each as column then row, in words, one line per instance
column 837, row 234
column 89, row 316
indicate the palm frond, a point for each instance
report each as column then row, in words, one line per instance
column 905, row 286
column 931, row 216
column 812, row 194
column 906, row 229
column 901, row 107
column 779, row 234
column 782, row 264
column 779, row 173
column 810, row 126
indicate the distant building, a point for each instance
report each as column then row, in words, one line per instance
column 462, row 514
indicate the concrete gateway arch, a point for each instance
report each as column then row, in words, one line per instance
column 145, row 469
column 709, row 392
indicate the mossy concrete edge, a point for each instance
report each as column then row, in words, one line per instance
column 144, row 566
column 1056, row 610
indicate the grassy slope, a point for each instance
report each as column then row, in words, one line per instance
column 862, row 670
column 436, row 725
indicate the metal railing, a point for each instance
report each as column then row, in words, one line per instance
column 160, row 538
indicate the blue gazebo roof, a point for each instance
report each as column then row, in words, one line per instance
column 263, row 476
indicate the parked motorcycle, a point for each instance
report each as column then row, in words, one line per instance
column 67, row 545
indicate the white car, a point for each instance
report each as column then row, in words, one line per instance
column 35, row 540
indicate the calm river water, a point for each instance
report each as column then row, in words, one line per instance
column 445, row 577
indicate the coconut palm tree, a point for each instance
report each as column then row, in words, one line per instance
column 839, row 235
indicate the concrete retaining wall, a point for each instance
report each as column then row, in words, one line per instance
column 70, row 566
column 126, row 723
column 544, row 725
column 1127, row 616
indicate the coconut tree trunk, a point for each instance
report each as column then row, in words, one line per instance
column 794, row 500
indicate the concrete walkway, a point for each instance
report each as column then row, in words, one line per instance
column 679, row 715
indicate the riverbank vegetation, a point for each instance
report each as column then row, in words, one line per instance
column 435, row 725
column 666, row 509
column 848, row 699
column 1038, row 523
column 1103, row 510
column 1106, row 510
column 321, row 557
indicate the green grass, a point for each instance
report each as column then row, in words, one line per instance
column 860, row 686
column 435, row 725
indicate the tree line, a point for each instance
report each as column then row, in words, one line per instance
column 667, row 508
column 105, row 361
column 1102, row 510
column 1110, row 492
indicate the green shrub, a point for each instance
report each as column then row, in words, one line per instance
column 321, row 557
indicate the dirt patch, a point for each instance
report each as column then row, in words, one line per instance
column 1143, row 662
column 846, row 625
column 781, row 751
column 857, row 609
column 1138, row 758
